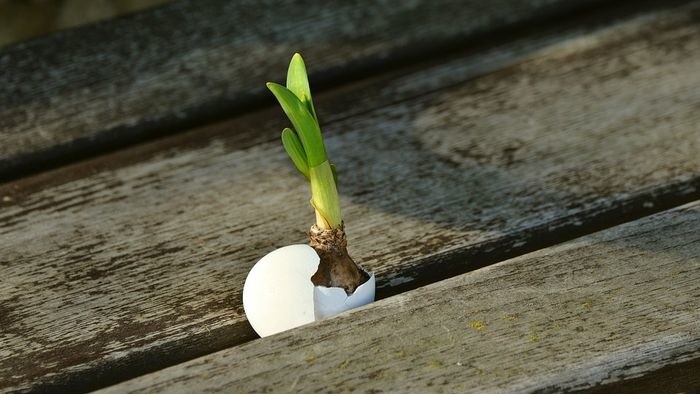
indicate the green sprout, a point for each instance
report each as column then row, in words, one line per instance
column 304, row 144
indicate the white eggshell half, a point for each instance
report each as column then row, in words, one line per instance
column 329, row 301
column 278, row 293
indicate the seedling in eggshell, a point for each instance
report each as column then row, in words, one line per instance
column 305, row 147
column 298, row 284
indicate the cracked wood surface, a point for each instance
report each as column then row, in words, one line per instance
column 107, row 85
column 600, row 309
column 136, row 260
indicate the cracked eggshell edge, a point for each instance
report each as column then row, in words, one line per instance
column 330, row 301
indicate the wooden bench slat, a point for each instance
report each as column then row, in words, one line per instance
column 607, row 307
column 104, row 86
column 140, row 265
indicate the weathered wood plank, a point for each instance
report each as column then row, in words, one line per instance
column 141, row 264
column 103, row 86
column 603, row 308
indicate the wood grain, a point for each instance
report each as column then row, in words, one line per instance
column 140, row 265
column 107, row 85
column 604, row 308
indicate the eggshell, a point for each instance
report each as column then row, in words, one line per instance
column 278, row 293
column 329, row 301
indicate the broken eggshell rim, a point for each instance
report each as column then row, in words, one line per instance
column 330, row 301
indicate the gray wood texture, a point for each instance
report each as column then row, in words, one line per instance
column 104, row 86
column 135, row 260
column 607, row 307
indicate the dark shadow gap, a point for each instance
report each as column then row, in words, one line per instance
column 678, row 378
column 448, row 265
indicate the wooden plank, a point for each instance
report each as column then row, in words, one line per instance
column 607, row 307
column 107, row 85
column 138, row 262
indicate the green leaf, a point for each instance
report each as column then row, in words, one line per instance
column 304, row 144
column 335, row 174
column 303, row 122
column 292, row 145
column 298, row 83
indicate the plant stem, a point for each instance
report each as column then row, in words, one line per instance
column 324, row 197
